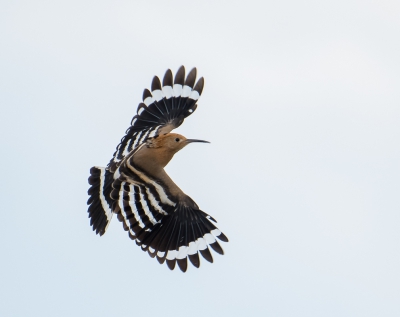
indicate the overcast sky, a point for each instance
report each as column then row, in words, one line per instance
column 302, row 107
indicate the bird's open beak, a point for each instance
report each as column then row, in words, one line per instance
column 194, row 140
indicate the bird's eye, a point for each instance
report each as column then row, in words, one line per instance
column 177, row 140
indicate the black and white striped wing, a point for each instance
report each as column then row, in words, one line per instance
column 166, row 228
column 135, row 209
column 162, row 110
column 139, row 207
column 184, row 233
column 140, row 203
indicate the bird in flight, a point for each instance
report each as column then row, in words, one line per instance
column 158, row 215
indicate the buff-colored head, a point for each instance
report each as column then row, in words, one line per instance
column 160, row 150
column 171, row 142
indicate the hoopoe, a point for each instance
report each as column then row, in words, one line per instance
column 157, row 214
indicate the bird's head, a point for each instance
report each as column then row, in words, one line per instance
column 171, row 142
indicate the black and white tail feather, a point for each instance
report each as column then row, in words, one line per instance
column 167, row 229
column 100, row 201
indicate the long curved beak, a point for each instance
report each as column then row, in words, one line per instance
column 194, row 140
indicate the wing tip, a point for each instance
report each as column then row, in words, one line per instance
column 156, row 84
column 168, row 78
column 146, row 94
column 199, row 85
column 180, row 76
column 191, row 77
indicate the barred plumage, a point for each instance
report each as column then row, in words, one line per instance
column 162, row 110
column 100, row 209
column 157, row 214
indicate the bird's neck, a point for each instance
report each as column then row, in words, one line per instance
column 152, row 161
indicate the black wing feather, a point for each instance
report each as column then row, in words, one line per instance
column 164, row 108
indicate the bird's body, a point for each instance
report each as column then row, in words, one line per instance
column 156, row 213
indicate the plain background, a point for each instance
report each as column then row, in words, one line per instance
column 301, row 105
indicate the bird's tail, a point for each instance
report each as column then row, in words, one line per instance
column 100, row 202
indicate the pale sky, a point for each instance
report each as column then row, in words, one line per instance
column 302, row 108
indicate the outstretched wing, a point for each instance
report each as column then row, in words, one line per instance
column 161, row 224
column 171, row 232
column 162, row 110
